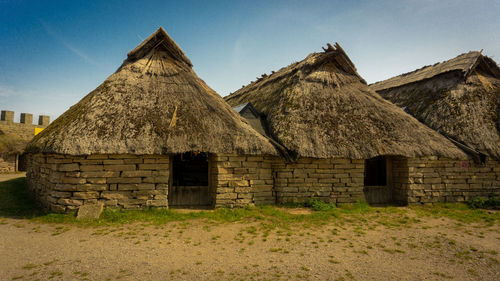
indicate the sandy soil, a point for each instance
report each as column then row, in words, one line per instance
column 10, row 176
column 434, row 249
column 361, row 247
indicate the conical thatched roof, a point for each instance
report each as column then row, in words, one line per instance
column 320, row 107
column 459, row 98
column 153, row 104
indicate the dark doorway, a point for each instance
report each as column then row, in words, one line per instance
column 375, row 171
column 190, row 181
column 378, row 187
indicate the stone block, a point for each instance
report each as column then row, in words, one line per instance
column 114, row 195
column 96, row 180
column 65, row 187
column 60, row 194
column 156, row 180
column 138, row 186
column 68, row 167
column 69, row 202
column 154, row 166
column 73, row 180
column 90, row 211
column 85, row 195
column 226, row 196
column 125, row 167
column 123, row 180
column 136, row 173
column 89, row 168
column 100, row 174
column 92, row 187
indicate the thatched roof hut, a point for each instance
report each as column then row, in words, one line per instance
column 460, row 98
column 153, row 104
column 320, row 107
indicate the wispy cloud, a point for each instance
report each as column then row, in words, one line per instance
column 65, row 43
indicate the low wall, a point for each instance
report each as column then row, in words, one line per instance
column 7, row 163
column 242, row 180
column 330, row 180
column 433, row 179
column 63, row 183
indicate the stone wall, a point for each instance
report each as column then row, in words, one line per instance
column 433, row 179
column 242, row 180
column 25, row 129
column 63, row 183
column 330, row 180
column 7, row 163
column 400, row 182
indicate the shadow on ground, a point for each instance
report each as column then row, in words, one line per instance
column 16, row 201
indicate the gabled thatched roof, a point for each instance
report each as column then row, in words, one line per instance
column 320, row 107
column 153, row 104
column 462, row 102
column 463, row 63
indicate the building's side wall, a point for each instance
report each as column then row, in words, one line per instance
column 63, row 183
column 433, row 179
column 7, row 163
column 242, row 180
column 330, row 180
column 400, row 180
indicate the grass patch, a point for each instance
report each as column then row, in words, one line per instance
column 16, row 202
column 458, row 211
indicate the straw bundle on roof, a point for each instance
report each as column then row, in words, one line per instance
column 321, row 107
column 153, row 104
column 459, row 98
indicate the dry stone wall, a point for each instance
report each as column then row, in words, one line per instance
column 433, row 179
column 242, row 180
column 63, row 183
column 7, row 163
column 331, row 180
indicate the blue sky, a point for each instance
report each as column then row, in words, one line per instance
column 52, row 53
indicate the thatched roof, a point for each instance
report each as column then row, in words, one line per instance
column 153, row 104
column 461, row 102
column 320, row 107
column 462, row 63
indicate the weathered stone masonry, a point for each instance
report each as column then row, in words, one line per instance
column 433, row 179
column 63, row 183
column 331, row 180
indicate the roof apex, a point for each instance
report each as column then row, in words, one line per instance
column 159, row 37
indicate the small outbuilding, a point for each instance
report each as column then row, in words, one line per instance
column 153, row 134
column 460, row 99
column 344, row 142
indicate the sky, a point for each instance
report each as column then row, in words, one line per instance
column 53, row 53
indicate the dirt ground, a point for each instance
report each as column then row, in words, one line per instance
column 429, row 248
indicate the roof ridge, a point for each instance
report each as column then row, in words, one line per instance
column 157, row 38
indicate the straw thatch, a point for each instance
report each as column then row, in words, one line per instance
column 153, row 104
column 461, row 102
column 320, row 107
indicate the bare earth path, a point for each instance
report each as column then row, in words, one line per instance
column 373, row 246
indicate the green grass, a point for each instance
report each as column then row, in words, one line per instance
column 16, row 202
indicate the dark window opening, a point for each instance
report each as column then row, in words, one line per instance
column 376, row 171
column 190, row 169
